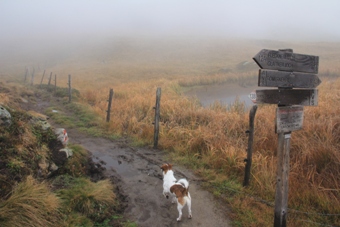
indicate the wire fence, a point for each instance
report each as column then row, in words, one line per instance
column 271, row 204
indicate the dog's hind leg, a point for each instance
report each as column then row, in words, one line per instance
column 179, row 208
column 189, row 205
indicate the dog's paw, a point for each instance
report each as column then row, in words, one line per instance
column 190, row 216
column 178, row 219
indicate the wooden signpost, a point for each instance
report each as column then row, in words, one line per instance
column 295, row 71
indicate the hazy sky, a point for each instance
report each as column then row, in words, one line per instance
column 289, row 20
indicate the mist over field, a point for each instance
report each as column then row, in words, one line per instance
column 48, row 32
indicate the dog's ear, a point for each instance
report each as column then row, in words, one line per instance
column 170, row 166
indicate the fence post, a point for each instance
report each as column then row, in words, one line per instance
column 69, row 89
column 157, row 113
column 250, row 145
column 49, row 80
column 55, row 83
column 109, row 105
column 42, row 78
column 281, row 194
column 32, row 78
column 26, row 75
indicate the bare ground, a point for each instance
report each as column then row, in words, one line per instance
column 136, row 173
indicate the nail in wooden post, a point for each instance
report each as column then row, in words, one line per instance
column 42, row 78
column 157, row 116
column 69, row 89
column 109, row 105
column 250, row 145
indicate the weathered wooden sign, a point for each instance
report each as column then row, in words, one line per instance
column 271, row 78
column 304, row 97
column 287, row 61
column 288, row 119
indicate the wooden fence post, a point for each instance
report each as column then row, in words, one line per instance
column 42, row 78
column 109, row 105
column 32, row 78
column 250, row 145
column 69, row 89
column 49, row 80
column 26, row 73
column 55, row 83
column 157, row 116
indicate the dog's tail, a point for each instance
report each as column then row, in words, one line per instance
column 183, row 182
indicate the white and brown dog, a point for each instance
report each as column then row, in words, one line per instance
column 178, row 189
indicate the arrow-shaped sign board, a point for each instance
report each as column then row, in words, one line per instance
column 272, row 78
column 288, row 119
column 304, row 97
column 287, row 61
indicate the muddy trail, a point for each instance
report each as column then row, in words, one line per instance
column 136, row 173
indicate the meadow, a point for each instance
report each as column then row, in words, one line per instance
column 212, row 140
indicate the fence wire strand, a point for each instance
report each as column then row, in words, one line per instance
column 271, row 204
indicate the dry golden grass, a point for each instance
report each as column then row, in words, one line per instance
column 30, row 204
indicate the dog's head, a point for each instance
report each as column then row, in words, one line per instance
column 166, row 167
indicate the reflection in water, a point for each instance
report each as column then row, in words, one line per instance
column 226, row 94
column 229, row 100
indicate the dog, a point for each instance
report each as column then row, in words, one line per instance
column 179, row 190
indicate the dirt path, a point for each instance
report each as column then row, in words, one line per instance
column 138, row 176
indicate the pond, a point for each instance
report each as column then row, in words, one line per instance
column 226, row 94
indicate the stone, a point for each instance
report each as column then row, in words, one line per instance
column 5, row 117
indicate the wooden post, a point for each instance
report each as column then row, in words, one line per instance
column 250, row 145
column 49, row 80
column 281, row 194
column 69, row 89
column 42, row 78
column 55, row 83
column 26, row 75
column 157, row 116
column 109, row 105
column 32, row 78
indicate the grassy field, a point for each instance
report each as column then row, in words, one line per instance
column 212, row 141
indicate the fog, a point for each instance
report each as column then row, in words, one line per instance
column 39, row 25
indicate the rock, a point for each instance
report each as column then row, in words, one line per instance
column 39, row 120
column 67, row 152
column 43, row 167
column 53, row 167
column 62, row 135
column 5, row 117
